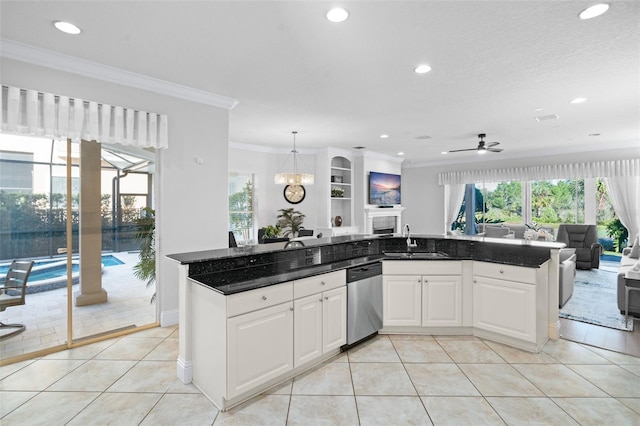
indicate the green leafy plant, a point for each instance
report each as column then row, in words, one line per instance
column 290, row 221
column 617, row 231
column 337, row 192
column 271, row 231
column 145, row 269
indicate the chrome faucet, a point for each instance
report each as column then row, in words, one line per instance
column 407, row 231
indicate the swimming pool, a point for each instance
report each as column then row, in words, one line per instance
column 55, row 268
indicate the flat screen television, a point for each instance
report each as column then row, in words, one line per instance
column 384, row 189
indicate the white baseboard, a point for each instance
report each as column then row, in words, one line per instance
column 185, row 371
column 168, row 318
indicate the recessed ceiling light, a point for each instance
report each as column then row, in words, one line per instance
column 538, row 109
column 578, row 100
column 444, row 152
column 594, row 134
column 384, row 136
column 67, row 27
column 422, row 69
column 593, row 11
column 337, row 14
column 401, row 153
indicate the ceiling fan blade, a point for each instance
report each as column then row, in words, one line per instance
column 460, row 150
column 490, row 144
column 494, row 149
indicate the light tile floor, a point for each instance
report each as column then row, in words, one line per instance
column 45, row 313
column 389, row 380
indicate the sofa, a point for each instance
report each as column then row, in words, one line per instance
column 492, row 230
column 583, row 238
column 566, row 275
column 629, row 258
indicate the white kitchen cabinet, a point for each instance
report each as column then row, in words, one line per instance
column 260, row 347
column 506, row 301
column 422, row 293
column 402, row 304
column 441, row 300
column 320, row 324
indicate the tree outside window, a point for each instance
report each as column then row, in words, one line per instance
column 241, row 220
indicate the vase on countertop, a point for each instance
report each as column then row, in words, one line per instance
column 337, row 221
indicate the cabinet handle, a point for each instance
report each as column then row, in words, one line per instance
column 320, row 300
column 425, row 281
column 326, row 298
column 475, row 281
column 322, row 283
column 291, row 309
column 264, row 297
column 501, row 271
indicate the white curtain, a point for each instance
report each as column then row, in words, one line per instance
column 453, row 196
column 624, row 193
column 29, row 112
column 594, row 169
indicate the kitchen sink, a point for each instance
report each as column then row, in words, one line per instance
column 416, row 255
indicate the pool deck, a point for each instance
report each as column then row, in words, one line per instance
column 45, row 313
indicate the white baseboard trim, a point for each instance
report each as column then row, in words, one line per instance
column 168, row 318
column 185, row 371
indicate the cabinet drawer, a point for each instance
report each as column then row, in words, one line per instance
column 259, row 298
column 505, row 272
column 422, row 267
column 319, row 283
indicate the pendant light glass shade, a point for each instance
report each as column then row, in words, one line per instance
column 294, row 178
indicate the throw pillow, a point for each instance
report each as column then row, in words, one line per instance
column 496, row 231
column 635, row 250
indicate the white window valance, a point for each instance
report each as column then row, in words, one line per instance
column 618, row 168
column 29, row 112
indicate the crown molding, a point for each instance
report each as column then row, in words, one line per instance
column 47, row 58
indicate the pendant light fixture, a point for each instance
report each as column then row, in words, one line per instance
column 294, row 178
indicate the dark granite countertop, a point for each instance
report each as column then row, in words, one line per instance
column 219, row 283
column 230, row 271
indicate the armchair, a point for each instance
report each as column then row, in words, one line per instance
column 583, row 238
column 13, row 292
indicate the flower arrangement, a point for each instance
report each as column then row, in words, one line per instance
column 535, row 232
column 337, row 192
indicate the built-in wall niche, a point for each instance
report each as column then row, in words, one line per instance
column 341, row 191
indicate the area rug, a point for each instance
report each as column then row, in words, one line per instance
column 595, row 299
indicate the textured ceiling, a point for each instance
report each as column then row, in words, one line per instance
column 342, row 85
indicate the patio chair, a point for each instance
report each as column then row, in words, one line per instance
column 13, row 291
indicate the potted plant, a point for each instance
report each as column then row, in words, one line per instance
column 290, row 221
column 271, row 231
column 145, row 269
column 337, row 192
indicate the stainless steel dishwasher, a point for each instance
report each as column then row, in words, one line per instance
column 364, row 301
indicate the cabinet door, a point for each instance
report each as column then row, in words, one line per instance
column 260, row 347
column 307, row 325
column 334, row 314
column 505, row 307
column 441, row 301
column 401, row 301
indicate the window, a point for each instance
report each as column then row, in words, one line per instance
column 241, row 220
column 557, row 201
column 16, row 173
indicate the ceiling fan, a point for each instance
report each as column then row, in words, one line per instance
column 482, row 146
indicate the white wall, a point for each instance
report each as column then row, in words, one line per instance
column 423, row 198
column 190, row 199
column 268, row 197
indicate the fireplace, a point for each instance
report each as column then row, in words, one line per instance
column 383, row 220
column 383, row 224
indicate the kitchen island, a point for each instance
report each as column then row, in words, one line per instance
column 255, row 316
